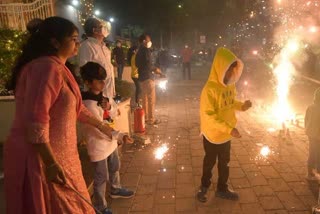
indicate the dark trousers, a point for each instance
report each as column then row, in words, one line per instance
column 212, row 153
column 120, row 71
column 314, row 154
column 186, row 67
column 137, row 94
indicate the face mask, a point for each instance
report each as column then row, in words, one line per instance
column 104, row 32
column 149, row 44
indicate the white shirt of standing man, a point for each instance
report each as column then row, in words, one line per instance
column 94, row 49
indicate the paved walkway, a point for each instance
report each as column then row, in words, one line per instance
column 272, row 184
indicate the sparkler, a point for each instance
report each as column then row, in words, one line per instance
column 161, row 151
column 265, row 151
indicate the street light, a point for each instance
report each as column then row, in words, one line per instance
column 111, row 19
column 75, row 2
column 97, row 12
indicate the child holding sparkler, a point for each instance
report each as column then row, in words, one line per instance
column 312, row 127
column 218, row 121
column 102, row 150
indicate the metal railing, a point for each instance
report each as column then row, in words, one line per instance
column 17, row 15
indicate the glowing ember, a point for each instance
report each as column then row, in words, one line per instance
column 163, row 84
column 265, row 151
column 161, row 151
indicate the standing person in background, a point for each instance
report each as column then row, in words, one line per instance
column 186, row 55
column 134, row 73
column 41, row 160
column 312, row 126
column 146, row 78
column 94, row 49
column 119, row 59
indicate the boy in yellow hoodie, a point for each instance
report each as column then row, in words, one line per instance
column 218, row 121
column 312, row 127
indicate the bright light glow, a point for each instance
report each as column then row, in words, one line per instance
column 111, row 19
column 179, row 6
column 293, row 46
column 70, row 7
column 161, row 151
column 255, row 52
column 265, row 151
column 75, row 2
column 163, row 84
column 279, row 1
column 97, row 12
column 245, row 83
column 313, row 29
column 271, row 130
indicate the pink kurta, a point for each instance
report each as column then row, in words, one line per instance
column 48, row 103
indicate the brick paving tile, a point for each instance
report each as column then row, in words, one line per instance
column 269, row 172
column 185, row 204
column 166, row 196
column 291, row 201
column 254, row 208
column 277, row 212
column 240, row 182
column 143, row 203
column 270, row 203
column 185, row 190
column 247, row 196
column 263, row 191
column 164, row 209
column 278, row 185
column 236, row 173
column 256, row 179
column 300, row 188
column 185, row 178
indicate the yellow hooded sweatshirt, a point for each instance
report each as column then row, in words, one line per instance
column 218, row 101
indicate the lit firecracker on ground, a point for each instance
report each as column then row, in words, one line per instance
column 160, row 152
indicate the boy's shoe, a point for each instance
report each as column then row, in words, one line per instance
column 202, row 194
column 106, row 211
column 228, row 194
column 121, row 193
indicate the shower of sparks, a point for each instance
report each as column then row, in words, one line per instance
column 265, row 151
column 161, row 151
column 162, row 84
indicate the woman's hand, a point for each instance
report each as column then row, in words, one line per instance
column 106, row 129
column 127, row 139
column 55, row 174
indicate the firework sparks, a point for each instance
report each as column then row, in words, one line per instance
column 161, row 151
column 265, row 151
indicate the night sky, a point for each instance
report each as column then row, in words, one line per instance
column 155, row 16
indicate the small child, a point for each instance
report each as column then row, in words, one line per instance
column 102, row 150
column 218, row 121
column 312, row 126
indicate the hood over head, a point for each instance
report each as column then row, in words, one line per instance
column 221, row 63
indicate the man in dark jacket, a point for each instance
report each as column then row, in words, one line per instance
column 146, row 80
column 119, row 59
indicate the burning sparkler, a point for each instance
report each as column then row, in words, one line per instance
column 265, row 151
column 161, row 151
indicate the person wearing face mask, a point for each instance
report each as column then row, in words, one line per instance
column 93, row 49
column 218, row 120
column 186, row 55
column 146, row 79
column 119, row 59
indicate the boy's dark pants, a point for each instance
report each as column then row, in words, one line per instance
column 314, row 154
column 212, row 152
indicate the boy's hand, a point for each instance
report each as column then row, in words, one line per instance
column 235, row 133
column 247, row 104
column 127, row 139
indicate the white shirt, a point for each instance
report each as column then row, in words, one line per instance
column 91, row 50
column 99, row 145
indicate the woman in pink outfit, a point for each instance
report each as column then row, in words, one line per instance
column 41, row 157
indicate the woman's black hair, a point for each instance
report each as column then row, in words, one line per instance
column 39, row 42
column 143, row 37
column 92, row 71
